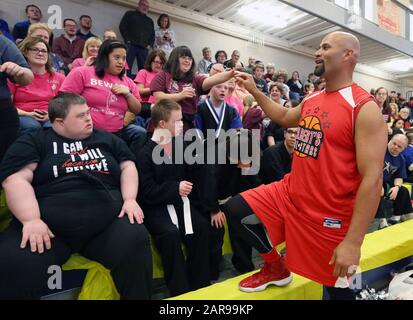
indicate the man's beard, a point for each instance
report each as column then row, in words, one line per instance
column 319, row 71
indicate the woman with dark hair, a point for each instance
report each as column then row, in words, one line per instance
column 296, row 86
column 153, row 64
column 13, row 66
column 108, row 91
column 164, row 35
column 31, row 101
column 179, row 82
column 382, row 98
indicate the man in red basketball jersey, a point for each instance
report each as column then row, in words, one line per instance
column 321, row 210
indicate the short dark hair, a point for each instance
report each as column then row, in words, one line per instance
column 85, row 16
column 163, row 15
column 172, row 66
column 258, row 65
column 218, row 52
column 162, row 111
column 102, row 59
column 68, row 19
column 32, row 5
column 151, row 56
column 60, row 105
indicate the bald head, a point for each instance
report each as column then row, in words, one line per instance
column 397, row 144
column 346, row 41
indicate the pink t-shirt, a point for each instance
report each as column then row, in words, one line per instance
column 163, row 82
column 145, row 77
column 236, row 103
column 106, row 108
column 37, row 94
column 79, row 62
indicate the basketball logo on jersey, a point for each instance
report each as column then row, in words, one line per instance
column 309, row 138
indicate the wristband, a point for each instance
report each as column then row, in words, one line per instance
column 128, row 95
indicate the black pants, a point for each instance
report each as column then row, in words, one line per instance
column 241, row 218
column 238, row 213
column 121, row 247
column 401, row 205
column 242, row 250
column 181, row 275
column 216, row 240
column 136, row 52
column 9, row 126
column 340, row 293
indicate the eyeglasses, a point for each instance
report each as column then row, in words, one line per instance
column 157, row 62
column 37, row 51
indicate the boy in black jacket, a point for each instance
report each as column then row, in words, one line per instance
column 167, row 197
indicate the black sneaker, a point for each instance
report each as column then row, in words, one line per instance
column 392, row 222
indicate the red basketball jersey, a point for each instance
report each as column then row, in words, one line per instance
column 324, row 178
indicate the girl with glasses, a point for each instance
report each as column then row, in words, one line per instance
column 179, row 83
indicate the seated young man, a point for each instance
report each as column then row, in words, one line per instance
column 72, row 189
column 393, row 174
column 171, row 211
column 277, row 159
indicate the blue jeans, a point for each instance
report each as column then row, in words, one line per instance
column 29, row 124
column 131, row 132
column 295, row 96
column 138, row 52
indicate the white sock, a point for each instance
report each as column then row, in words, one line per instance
column 383, row 222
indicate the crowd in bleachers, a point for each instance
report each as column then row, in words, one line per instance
column 183, row 204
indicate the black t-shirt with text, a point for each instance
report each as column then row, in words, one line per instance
column 66, row 165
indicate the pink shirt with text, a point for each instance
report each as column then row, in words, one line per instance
column 37, row 94
column 106, row 108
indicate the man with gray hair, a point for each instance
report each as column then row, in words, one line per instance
column 138, row 31
column 206, row 61
column 393, row 174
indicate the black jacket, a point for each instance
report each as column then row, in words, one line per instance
column 275, row 163
column 137, row 29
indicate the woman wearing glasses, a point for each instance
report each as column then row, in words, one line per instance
column 179, row 83
column 153, row 64
column 31, row 101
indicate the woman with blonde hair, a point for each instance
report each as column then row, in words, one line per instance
column 89, row 54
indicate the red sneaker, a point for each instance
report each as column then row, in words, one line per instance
column 271, row 273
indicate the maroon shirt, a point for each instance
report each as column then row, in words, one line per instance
column 163, row 82
column 67, row 50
